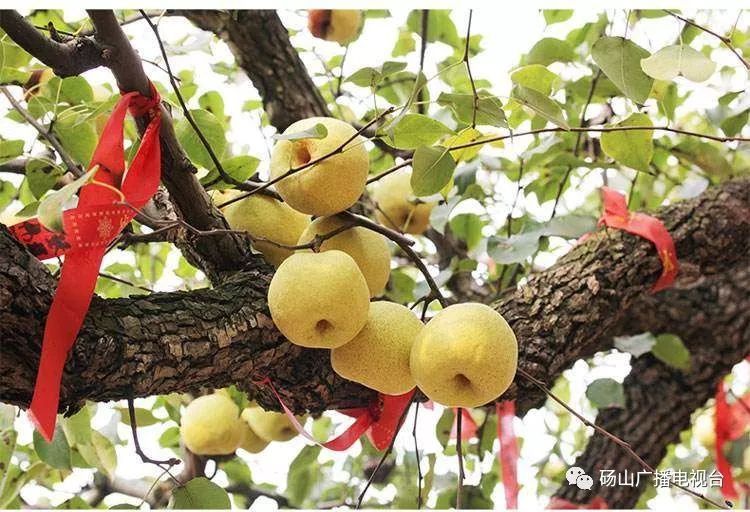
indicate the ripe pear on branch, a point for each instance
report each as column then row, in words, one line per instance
column 251, row 441
column 211, row 425
column 329, row 186
column 466, row 356
column 340, row 25
column 397, row 206
column 269, row 425
column 266, row 218
column 319, row 300
column 368, row 249
column 378, row 356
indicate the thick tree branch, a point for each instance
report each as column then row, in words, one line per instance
column 710, row 316
column 71, row 56
column 260, row 43
column 181, row 341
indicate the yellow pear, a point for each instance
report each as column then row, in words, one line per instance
column 465, row 356
column 378, row 357
column 333, row 184
column 398, row 208
column 340, row 25
column 269, row 425
column 368, row 249
column 267, row 218
column 319, row 300
column 211, row 425
column 251, row 441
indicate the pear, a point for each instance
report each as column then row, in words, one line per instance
column 340, row 25
column 269, row 425
column 368, row 249
column 333, row 184
column 398, row 208
column 704, row 430
column 378, row 357
column 211, row 425
column 466, row 356
column 267, row 218
column 319, row 300
column 251, row 441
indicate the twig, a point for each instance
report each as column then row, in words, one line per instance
column 468, row 70
column 145, row 458
column 123, row 281
column 421, row 107
column 739, row 400
column 460, row 455
column 185, row 110
column 48, row 135
column 416, row 454
column 393, row 169
column 724, row 39
column 625, row 445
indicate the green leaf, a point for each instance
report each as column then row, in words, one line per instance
column 552, row 16
column 604, row 393
column 143, row 417
column 670, row 349
column 633, row 148
column 440, row 27
column 516, row 248
column 620, row 59
column 42, row 175
column 200, row 493
column 78, row 139
column 432, row 169
column 8, row 437
column 636, row 345
column 74, row 503
column 10, row 149
column 7, row 194
column 304, row 471
column 489, row 109
column 549, row 50
column 705, row 155
column 546, row 107
column 76, row 90
column 401, row 286
column 212, row 102
column 414, row 130
column 170, row 438
column 318, row 131
column 50, row 209
column 535, row 76
column 55, row 454
column 211, row 128
column 370, row 77
column 675, row 60
column 239, row 167
column 468, row 227
column 77, row 428
column 733, row 125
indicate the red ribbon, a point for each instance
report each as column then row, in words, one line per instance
column 88, row 230
column 468, row 425
column 722, row 427
column 509, row 453
column 617, row 216
column 381, row 421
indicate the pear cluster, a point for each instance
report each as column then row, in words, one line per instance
column 328, row 271
column 339, row 25
column 213, row 425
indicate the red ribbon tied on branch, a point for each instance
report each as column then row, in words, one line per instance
column 617, row 216
column 381, row 421
column 102, row 212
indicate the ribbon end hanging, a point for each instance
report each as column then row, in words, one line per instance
column 43, row 421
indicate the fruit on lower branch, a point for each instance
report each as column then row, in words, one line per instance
column 211, row 425
column 378, row 357
column 251, row 441
column 398, row 208
column 368, row 249
column 269, row 425
column 340, row 25
column 704, row 430
column 319, row 300
column 333, row 184
column 466, row 356
column 267, row 218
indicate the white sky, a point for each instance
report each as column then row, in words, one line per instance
column 506, row 36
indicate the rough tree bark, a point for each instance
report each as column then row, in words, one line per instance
column 181, row 341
